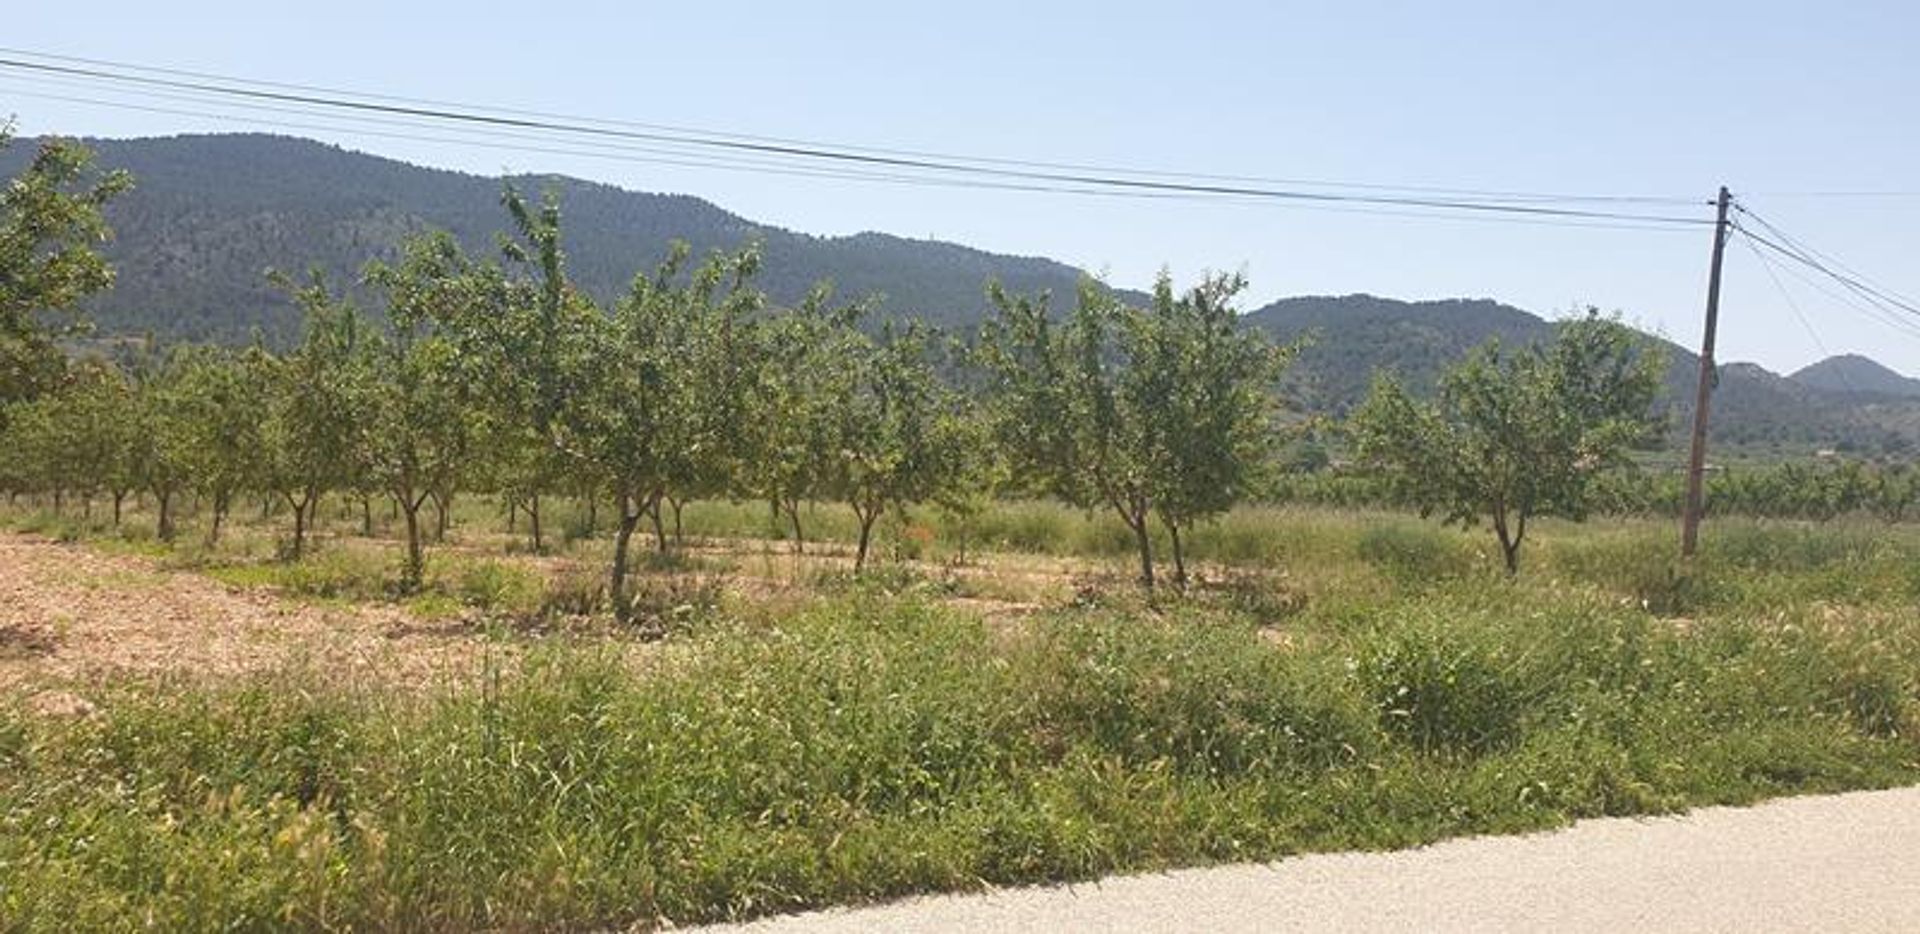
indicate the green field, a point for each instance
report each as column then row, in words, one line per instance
column 992, row 705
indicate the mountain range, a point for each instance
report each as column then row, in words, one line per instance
column 209, row 214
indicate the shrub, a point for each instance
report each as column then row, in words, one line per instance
column 1211, row 700
column 498, row 587
column 1414, row 553
column 1647, row 573
column 1442, row 691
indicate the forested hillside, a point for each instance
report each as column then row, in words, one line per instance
column 1348, row 339
column 1852, row 373
column 210, row 214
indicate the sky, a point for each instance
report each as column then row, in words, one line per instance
column 1798, row 107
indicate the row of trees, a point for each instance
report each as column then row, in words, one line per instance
column 498, row 375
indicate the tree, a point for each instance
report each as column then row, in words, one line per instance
column 613, row 393
column 1211, row 401
column 901, row 436
column 163, row 452
column 1515, row 436
column 219, row 404
column 1156, row 412
column 417, row 437
column 50, row 224
column 801, row 371
column 314, row 407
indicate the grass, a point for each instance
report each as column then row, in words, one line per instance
column 870, row 746
column 1339, row 681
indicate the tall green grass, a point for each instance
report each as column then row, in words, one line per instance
column 870, row 745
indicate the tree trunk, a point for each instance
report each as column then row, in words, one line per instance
column 366, row 516
column 220, row 501
column 593, row 516
column 1179, row 557
column 1138, row 523
column 867, row 517
column 799, row 538
column 119, row 496
column 513, row 512
column 301, row 508
column 442, row 505
column 659, row 530
column 617, row 587
column 165, row 525
column 416, row 557
column 679, row 531
column 533, row 520
column 1509, row 540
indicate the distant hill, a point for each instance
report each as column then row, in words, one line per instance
column 1852, row 373
column 1350, row 338
column 209, row 214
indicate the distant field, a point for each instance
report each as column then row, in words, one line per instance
column 195, row 738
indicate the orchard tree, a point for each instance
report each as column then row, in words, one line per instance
column 50, row 227
column 315, row 407
column 163, row 451
column 416, row 438
column 802, row 372
column 220, row 404
column 715, row 338
column 902, row 436
column 611, row 392
column 1210, row 396
column 1104, row 409
column 1513, row 436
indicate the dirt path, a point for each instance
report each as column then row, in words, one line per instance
column 71, row 615
column 1839, row 863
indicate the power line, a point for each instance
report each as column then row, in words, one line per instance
column 844, row 156
column 633, row 154
column 1864, row 281
column 1872, row 309
column 546, row 116
column 1872, row 296
column 1793, row 306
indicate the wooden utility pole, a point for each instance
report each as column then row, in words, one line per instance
column 1697, row 459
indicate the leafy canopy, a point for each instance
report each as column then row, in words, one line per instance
column 1512, row 436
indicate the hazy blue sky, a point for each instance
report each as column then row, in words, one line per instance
column 1626, row 98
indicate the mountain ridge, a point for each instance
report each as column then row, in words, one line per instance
column 211, row 212
column 1858, row 375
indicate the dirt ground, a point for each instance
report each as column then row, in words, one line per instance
column 71, row 615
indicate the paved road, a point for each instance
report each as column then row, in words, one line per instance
column 1841, row 863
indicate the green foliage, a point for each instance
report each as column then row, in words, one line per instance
column 869, row 747
column 1413, row 554
column 316, row 407
column 1445, row 691
column 51, row 228
column 1149, row 412
column 1514, row 437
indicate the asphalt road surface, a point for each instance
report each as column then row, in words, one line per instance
column 1840, row 863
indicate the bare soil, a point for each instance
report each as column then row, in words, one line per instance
column 71, row 615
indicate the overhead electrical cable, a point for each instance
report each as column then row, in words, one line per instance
column 816, row 154
column 548, row 116
column 1862, row 279
column 1889, row 316
column 634, row 153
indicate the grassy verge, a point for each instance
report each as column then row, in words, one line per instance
column 868, row 745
